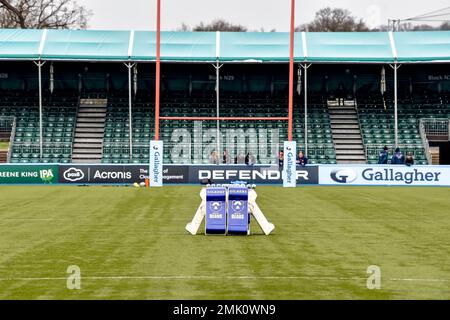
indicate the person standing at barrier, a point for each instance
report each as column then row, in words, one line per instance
column 214, row 159
column 281, row 159
column 225, row 157
column 249, row 159
column 383, row 157
column 240, row 158
column 398, row 157
column 302, row 160
column 409, row 159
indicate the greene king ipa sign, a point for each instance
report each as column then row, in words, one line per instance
column 25, row 174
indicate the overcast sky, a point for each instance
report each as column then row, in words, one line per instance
column 255, row 14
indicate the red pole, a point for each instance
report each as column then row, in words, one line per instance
column 158, row 68
column 291, row 72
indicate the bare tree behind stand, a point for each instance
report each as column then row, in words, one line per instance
column 43, row 14
column 220, row 25
column 334, row 20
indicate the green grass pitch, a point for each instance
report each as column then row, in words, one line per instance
column 131, row 244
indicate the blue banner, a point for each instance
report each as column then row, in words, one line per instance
column 238, row 215
column 216, row 219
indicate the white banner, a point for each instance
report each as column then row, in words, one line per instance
column 156, row 163
column 289, row 164
column 399, row 175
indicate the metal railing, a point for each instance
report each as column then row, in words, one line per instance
column 11, row 139
column 374, row 149
column 33, row 149
column 436, row 127
column 196, row 153
column 7, row 129
column 426, row 144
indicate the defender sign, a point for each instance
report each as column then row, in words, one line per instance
column 156, row 164
column 385, row 175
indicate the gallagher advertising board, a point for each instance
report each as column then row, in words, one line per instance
column 399, row 175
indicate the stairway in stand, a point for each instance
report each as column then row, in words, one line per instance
column 89, row 131
column 3, row 156
column 346, row 132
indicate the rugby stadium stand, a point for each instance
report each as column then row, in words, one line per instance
column 86, row 103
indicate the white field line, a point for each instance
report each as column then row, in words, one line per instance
column 187, row 277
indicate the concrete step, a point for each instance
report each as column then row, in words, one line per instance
column 332, row 107
column 351, row 157
column 344, row 121
column 88, row 135
column 90, row 125
column 348, row 138
column 350, row 152
column 95, row 114
column 86, row 145
column 343, row 116
column 346, row 131
column 3, row 156
column 92, row 109
column 82, row 161
column 344, row 126
column 88, row 140
column 90, row 130
column 342, row 111
column 91, row 120
column 87, row 156
column 93, row 101
column 79, row 151
column 349, row 161
column 346, row 146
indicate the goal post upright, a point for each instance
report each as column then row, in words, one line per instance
column 218, row 117
column 291, row 72
column 158, row 68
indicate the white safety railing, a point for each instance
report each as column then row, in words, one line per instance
column 374, row 149
column 436, row 127
column 426, row 144
column 7, row 127
column 11, row 139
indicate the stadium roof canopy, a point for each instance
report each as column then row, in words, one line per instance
column 139, row 46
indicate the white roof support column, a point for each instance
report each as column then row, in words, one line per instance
column 42, row 43
column 39, row 64
column 393, row 47
column 217, row 45
column 131, row 44
column 305, row 46
column 395, row 66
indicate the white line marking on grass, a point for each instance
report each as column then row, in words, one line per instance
column 187, row 277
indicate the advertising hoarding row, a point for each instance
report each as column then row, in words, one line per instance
column 365, row 175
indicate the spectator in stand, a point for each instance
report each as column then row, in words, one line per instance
column 398, row 157
column 409, row 159
column 240, row 158
column 226, row 157
column 214, row 158
column 281, row 159
column 249, row 159
column 383, row 158
column 302, row 160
